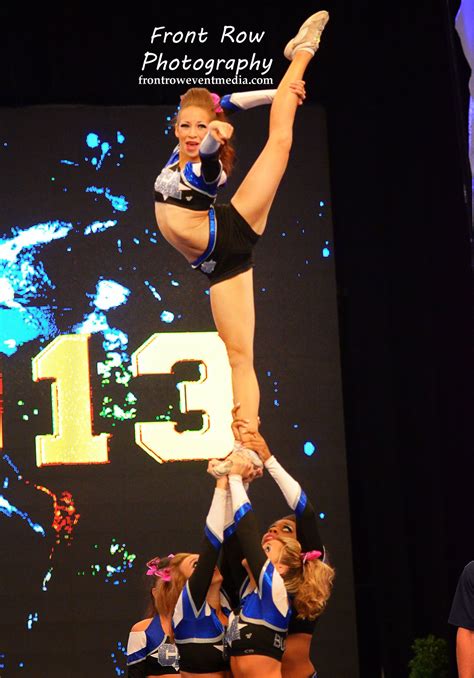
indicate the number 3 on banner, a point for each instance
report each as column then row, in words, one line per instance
column 212, row 393
column 66, row 360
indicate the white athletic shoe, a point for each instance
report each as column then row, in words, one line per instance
column 223, row 467
column 308, row 36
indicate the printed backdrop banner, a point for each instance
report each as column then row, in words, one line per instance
column 116, row 388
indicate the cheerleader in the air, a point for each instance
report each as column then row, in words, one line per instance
column 219, row 239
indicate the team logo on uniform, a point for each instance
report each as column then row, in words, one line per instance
column 208, row 266
column 167, row 183
column 167, row 655
column 233, row 631
column 279, row 642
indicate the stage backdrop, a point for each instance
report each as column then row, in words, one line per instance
column 116, row 388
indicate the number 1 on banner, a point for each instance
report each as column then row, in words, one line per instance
column 212, row 394
column 66, row 360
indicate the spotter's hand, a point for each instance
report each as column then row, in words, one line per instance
column 240, row 466
column 258, row 444
column 298, row 88
column 239, row 424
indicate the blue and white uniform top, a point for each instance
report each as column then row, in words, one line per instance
column 151, row 652
column 198, row 631
column 306, row 527
column 195, row 186
column 268, row 603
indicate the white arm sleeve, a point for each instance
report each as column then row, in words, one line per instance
column 290, row 488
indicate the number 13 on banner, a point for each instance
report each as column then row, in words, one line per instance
column 66, row 361
column 212, row 394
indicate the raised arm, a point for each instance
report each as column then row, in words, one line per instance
column 246, row 524
column 232, row 570
column 199, row 582
column 306, row 520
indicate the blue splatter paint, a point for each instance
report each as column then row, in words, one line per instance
column 92, row 140
column 120, row 137
column 322, row 516
column 47, row 579
column 99, row 226
column 32, row 618
column 9, row 511
column 167, row 316
column 326, row 252
column 153, row 290
column 110, row 294
column 118, row 202
column 309, row 448
column 120, row 659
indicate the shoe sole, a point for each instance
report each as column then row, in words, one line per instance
column 288, row 51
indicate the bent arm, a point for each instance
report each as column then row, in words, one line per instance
column 306, row 521
column 211, row 166
column 232, row 569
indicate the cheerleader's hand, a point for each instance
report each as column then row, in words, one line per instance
column 240, row 466
column 298, row 88
column 221, row 131
column 257, row 443
column 239, row 424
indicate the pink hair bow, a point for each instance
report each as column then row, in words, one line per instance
column 217, row 103
column 164, row 573
column 310, row 555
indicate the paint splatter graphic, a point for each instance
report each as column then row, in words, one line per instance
column 64, row 513
column 29, row 308
column 112, row 564
column 119, row 659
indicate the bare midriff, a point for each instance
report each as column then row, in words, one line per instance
column 296, row 662
column 255, row 666
column 186, row 230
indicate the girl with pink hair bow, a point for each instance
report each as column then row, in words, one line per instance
column 218, row 240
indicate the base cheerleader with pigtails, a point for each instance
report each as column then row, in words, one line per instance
column 218, row 240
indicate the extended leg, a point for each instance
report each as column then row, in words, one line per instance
column 255, row 195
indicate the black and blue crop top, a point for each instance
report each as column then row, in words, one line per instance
column 195, row 186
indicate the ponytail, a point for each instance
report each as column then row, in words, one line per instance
column 309, row 580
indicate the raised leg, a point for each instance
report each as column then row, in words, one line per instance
column 255, row 195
